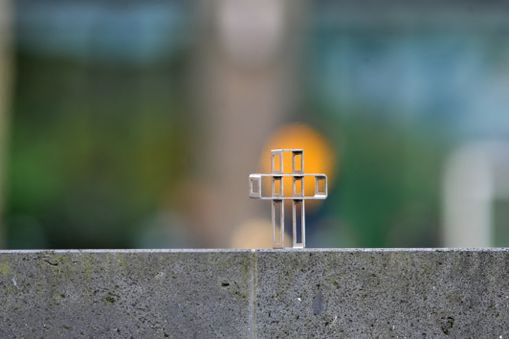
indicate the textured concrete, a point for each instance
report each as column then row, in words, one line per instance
column 255, row 294
column 143, row 294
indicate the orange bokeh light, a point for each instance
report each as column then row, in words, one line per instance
column 319, row 156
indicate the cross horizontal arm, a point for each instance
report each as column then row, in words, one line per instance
column 298, row 175
column 320, row 184
column 308, row 197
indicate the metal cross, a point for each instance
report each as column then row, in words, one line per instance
column 278, row 197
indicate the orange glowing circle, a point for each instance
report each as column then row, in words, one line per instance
column 319, row 156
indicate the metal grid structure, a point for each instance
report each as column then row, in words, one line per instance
column 297, row 197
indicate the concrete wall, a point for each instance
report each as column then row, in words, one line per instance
column 254, row 294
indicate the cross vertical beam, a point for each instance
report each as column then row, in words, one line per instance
column 278, row 224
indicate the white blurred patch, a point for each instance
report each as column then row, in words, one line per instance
column 251, row 30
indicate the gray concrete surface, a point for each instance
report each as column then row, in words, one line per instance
column 255, row 294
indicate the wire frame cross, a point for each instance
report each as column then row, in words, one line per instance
column 297, row 197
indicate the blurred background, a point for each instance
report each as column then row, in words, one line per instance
column 136, row 123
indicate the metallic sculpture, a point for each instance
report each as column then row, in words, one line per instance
column 277, row 195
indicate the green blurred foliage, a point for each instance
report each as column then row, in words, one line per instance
column 94, row 149
column 387, row 185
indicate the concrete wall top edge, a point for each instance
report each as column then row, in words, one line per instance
column 287, row 250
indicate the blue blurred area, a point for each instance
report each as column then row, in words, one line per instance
column 136, row 33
